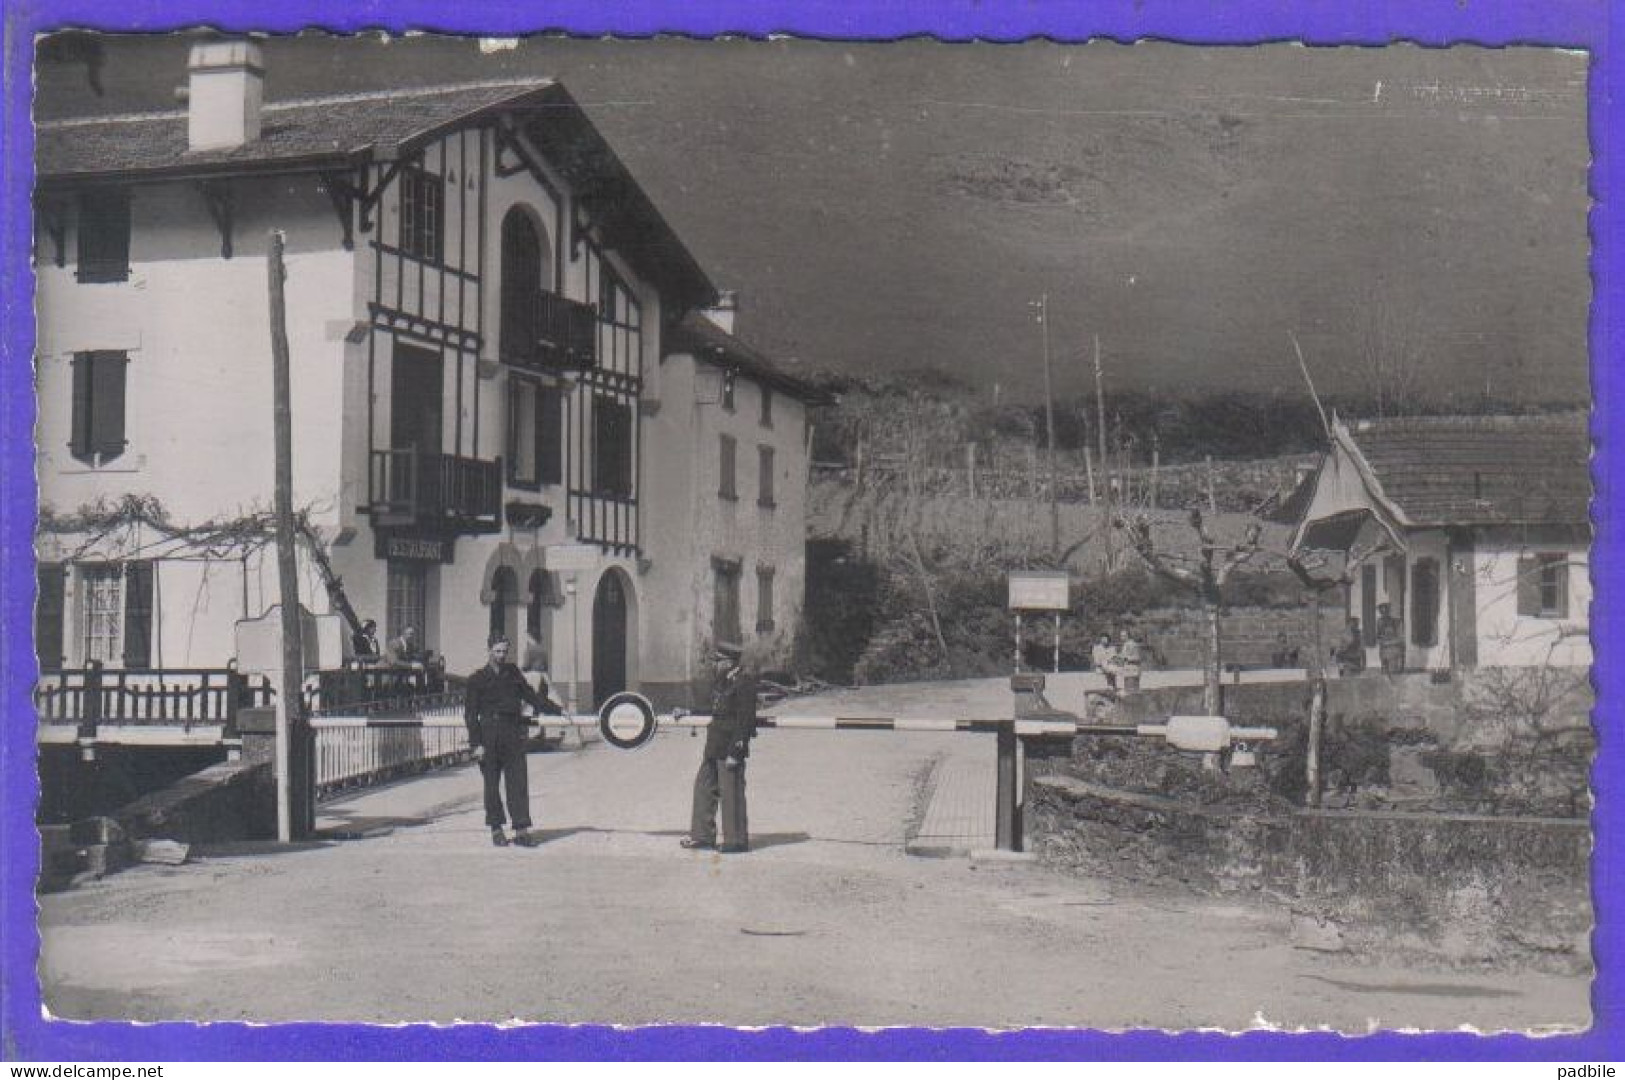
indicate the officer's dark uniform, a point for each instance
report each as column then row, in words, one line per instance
column 722, row 770
column 491, row 712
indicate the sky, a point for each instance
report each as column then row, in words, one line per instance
column 898, row 206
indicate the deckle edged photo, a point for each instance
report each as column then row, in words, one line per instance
column 811, row 533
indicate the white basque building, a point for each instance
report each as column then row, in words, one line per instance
column 516, row 404
column 1474, row 530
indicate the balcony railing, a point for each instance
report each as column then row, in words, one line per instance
column 457, row 494
column 550, row 331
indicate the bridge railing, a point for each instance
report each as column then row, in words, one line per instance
column 373, row 744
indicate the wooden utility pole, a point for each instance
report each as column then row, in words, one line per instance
column 296, row 804
column 1105, row 461
column 1049, row 430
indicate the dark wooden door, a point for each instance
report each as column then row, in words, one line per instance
column 609, row 626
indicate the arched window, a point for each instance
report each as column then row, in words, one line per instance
column 527, row 272
column 504, row 601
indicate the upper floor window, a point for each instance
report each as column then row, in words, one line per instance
column 97, row 425
column 612, row 446
column 422, row 214
column 104, row 236
column 764, row 476
column 728, row 390
column 726, row 483
column 1543, row 586
column 535, row 430
column 767, row 406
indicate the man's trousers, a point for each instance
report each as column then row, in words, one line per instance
column 504, row 766
column 716, row 782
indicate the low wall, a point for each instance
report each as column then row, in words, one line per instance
column 1458, row 888
column 1252, row 636
column 1497, row 740
column 230, row 801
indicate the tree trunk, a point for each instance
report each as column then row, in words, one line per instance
column 1212, row 688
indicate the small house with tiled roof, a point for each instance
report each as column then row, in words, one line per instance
column 1474, row 530
column 482, row 304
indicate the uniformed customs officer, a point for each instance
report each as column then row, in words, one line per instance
column 721, row 776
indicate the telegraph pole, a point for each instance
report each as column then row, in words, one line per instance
column 295, row 794
column 1105, row 462
column 1042, row 306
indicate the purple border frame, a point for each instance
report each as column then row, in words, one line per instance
column 1579, row 24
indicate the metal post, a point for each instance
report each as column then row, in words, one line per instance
column 1057, row 643
column 90, row 712
column 1018, row 643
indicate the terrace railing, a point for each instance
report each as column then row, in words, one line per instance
column 186, row 697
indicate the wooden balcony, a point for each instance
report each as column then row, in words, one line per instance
column 434, row 492
column 550, row 332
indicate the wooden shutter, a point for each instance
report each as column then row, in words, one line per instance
column 138, row 615
column 107, row 373
column 510, row 448
column 764, row 472
column 1368, row 605
column 550, row 438
column 1560, row 571
column 764, row 599
column 1425, row 602
column 104, row 236
column 48, row 616
column 80, row 438
column 1528, row 586
column 725, row 486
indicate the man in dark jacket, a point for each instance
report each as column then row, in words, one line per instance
column 496, row 732
column 721, row 776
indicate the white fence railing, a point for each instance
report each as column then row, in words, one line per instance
column 356, row 750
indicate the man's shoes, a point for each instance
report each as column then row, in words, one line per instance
column 526, row 838
column 696, row 845
column 734, row 849
column 498, row 837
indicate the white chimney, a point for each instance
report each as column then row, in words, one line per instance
column 224, row 88
column 723, row 314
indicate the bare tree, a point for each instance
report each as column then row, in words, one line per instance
column 1205, row 575
column 1314, row 572
column 1391, row 339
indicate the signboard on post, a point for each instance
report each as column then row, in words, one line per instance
column 1040, row 590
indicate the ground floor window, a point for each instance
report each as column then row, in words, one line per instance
column 101, row 612
column 1543, row 586
column 1425, row 602
column 408, row 601
column 764, row 600
column 725, row 601
column 504, row 603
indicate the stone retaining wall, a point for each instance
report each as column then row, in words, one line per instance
column 1458, row 888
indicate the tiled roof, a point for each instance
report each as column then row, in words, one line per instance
column 701, row 337
column 345, row 130
column 294, row 130
column 1481, row 470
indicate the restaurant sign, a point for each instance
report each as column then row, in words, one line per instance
column 406, row 547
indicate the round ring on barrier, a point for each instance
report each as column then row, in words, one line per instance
column 626, row 720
